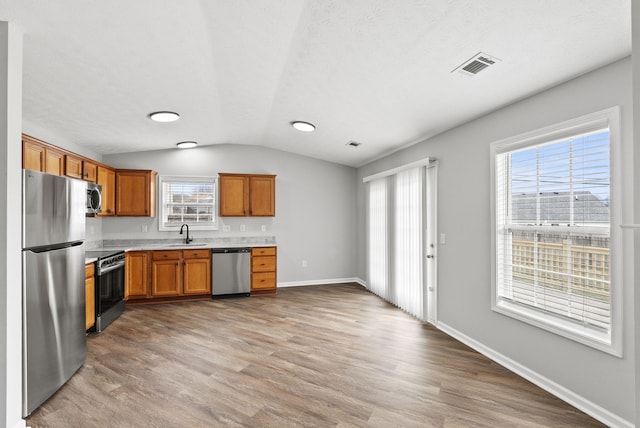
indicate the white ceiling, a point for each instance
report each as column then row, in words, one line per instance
column 374, row 71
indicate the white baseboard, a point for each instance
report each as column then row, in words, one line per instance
column 590, row 408
column 320, row 282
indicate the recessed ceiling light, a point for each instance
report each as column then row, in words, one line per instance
column 303, row 126
column 164, row 116
column 186, row 144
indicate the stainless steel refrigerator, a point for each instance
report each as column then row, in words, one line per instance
column 53, row 295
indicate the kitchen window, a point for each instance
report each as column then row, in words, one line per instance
column 190, row 200
column 556, row 254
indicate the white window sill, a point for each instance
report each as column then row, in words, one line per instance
column 579, row 333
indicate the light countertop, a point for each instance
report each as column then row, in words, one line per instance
column 178, row 244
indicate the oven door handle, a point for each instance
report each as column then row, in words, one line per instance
column 102, row 271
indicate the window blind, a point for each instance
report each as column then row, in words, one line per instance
column 188, row 200
column 378, row 259
column 407, row 236
column 553, row 228
column 395, row 232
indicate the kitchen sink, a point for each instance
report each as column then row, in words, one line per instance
column 186, row 245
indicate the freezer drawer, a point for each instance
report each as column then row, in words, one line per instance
column 230, row 272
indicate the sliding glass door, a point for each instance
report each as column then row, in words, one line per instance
column 401, row 238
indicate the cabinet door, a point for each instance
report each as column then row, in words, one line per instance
column 166, row 278
column 263, row 264
column 136, row 274
column 32, row 156
column 90, row 296
column 135, row 193
column 234, row 195
column 54, row 162
column 263, row 196
column 73, row 166
column 197, row 276
column 263, row 281
column 107, row 179
column 89, row 171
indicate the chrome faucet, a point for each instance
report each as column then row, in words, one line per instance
column 187, row 239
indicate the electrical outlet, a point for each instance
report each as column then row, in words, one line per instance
column 263, row 228
column 443, row 239
column 145, row 228
column 242, row 228
column 226, row 228
column 304, row 263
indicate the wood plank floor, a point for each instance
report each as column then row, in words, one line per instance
column 320, row 356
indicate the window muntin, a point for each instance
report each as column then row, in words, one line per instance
column 190, row 200
column 553, row 235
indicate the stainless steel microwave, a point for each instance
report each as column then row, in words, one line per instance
column 94, row 199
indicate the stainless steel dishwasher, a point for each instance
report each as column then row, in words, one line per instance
column 230, row 272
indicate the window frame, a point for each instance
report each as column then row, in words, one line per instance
column 611, row 341
column 192, row 226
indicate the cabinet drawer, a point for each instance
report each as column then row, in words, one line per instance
column 263, row 251
column 262, row 281
column 196, row 254
column 89, row 270
column 263, row 264
column 167, row 255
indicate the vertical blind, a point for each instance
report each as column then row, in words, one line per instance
column 396, row 231
column 378, row 259
column 553, row 228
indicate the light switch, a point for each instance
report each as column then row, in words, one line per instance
column 226, row 228
column 443, row 239
column 242, row 228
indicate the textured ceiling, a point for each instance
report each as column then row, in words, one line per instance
column 374, row 71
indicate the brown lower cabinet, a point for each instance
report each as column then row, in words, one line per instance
column 263, row 270
column 90, row 294
column 166, row 274
column 136, row 284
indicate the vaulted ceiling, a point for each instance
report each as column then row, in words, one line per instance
column 379, row 72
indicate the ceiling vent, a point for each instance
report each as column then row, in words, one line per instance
column 352, row 143
column 476, row 64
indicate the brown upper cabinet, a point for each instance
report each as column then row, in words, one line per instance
column 44, row 157
column 89, row 171
column 125, row 192
column 243, row 195
column 73, row 166
column 39, row 157
column 33, row 156
column 54, row 162
column 107, row 179
column 136, row 192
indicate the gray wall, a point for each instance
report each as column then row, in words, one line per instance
column 464, row 282
column 315, row 206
